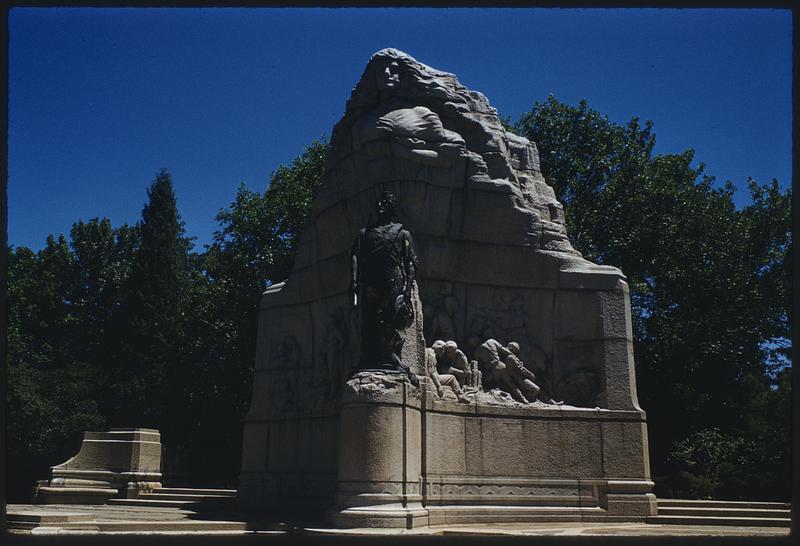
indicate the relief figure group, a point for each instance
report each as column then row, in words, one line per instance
column 494, row 366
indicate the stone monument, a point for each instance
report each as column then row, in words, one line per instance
column 524, row 406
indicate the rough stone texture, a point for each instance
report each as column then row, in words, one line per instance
column 379, row 474
column 120, row 462
column 494, row 262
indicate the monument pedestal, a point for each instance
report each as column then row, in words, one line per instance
column 117, row 463
column 380, row 454
column 409, row 459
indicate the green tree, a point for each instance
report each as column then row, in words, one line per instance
column 255, row 243
column 147, row 387
column 59, row 301
column 709, row 283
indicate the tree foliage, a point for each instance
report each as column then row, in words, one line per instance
column 710, row 286
column 60, row 301
column 255, row 244
column 147, row 371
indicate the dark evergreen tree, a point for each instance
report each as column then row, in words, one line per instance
column 146, row 386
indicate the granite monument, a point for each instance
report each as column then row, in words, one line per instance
column 460, row 362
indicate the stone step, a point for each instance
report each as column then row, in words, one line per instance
column 468, row 514
column 147, row 527
column 192, row 491
column 160, row 503
column 74, row 495
column 177, row 525
column 31, row 520
column 723, row 512
column 188, row 497
column 725, row 521
column 669, row 503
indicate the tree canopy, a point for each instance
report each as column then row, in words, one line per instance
column 710, row 285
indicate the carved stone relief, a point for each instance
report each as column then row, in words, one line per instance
column 508, row 318
column 336, row 352
column 442, row 315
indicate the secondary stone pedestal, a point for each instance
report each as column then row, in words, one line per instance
column 120, row 462
column 380, row 458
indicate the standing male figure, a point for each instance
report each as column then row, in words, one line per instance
column 382, row 277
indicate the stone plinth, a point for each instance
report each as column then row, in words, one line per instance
column 380, row 454
column 120, row 462
column 568, row 463
column 494, row 262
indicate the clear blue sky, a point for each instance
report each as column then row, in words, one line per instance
column 101, row 99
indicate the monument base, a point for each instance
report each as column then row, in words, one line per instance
column 378, row 483
column 409, row 459
column 404, row 517
column 526, row 463
column 117, row 463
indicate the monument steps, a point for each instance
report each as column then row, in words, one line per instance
column 135, row 526
column 464, row 514
column 155, row 502
column 718, row 520
column 669, row 503
column 186, row 496
column 144, row 501
column 713, row 512
column 180, row 497
column 727, row 512
column 191, row 491
column 29, row 521
column 181, row 525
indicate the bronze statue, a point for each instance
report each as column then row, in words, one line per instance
column 383, row 268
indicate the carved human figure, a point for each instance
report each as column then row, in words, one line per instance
column 415, row 133
column 503, row 369
column 441, row 380
column 489, row 355
column 524, row 378
column 456, row 363
column 389, row 79
column 382, row 277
